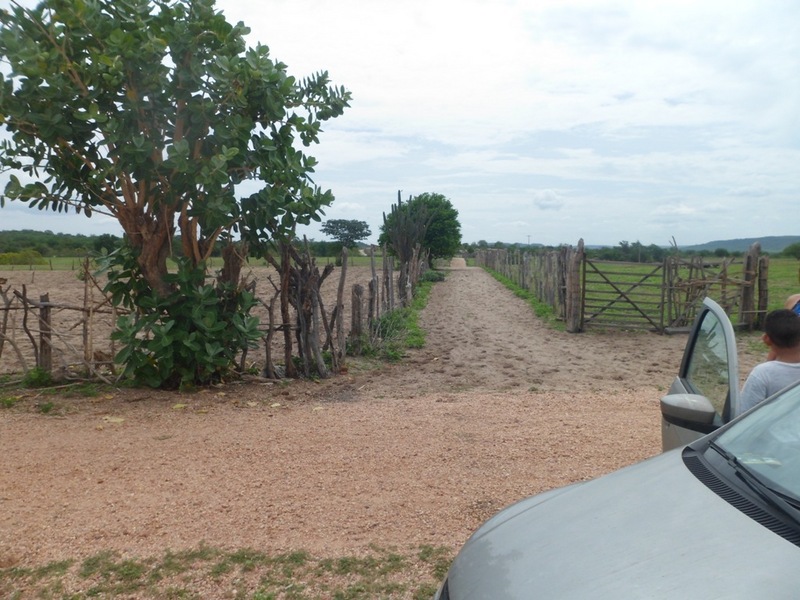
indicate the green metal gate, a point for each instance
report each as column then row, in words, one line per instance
column 623, row 295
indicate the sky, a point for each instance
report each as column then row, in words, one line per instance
column 545, row 121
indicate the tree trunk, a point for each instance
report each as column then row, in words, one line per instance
column 233, row 257
column 151, row 237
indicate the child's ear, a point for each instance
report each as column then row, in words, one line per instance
column 766, row 339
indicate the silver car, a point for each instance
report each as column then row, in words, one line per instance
column 717, row 518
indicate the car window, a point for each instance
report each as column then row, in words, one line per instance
column 707, row 369
column 767, row 441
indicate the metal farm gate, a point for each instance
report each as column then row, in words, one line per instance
column 665, row 296
column 660, row 297
column 624, row 295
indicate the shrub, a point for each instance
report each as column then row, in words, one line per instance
column 37, row 377
column 190, row 337
column 25, row 257
column 433, row 276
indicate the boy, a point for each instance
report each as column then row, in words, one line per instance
column 782, row 368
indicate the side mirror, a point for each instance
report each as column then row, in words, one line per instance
column 687, row 408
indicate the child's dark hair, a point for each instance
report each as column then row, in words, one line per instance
column 783, row 327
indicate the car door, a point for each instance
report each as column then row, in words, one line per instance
column 705, row 394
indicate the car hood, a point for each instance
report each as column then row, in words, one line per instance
column 652, row 530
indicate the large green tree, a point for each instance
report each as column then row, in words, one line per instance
column 792, row 250
column 155, row 112
column 442, row 237
column 346, row 231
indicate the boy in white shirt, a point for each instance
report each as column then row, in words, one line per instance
column 782, row 368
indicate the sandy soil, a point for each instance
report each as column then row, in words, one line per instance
column 497, row 406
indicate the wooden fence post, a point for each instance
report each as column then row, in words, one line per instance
column 763, row 290
column 573, row 297
column 339, row 349
column 376, row 283
column 388, row 281
column 88, row 304
column 45, row 336
column 356, row 323
column 6, row 310
column 747, row 307
column 372, row 303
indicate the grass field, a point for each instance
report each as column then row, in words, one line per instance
column 784, row 280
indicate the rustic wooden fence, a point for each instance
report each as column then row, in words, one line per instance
column 660, row 297
column 36, row 331
column 67, row 330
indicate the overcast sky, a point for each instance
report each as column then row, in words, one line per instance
column 547, row 121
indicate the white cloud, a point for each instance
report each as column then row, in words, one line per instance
column 548, row 200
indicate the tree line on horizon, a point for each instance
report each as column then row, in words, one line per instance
column 30, row 245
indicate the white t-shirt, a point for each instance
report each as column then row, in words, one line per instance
column 767, row 378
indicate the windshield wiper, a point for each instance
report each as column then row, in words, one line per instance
column 757, row 485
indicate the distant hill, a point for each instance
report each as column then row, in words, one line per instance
column 774, row 244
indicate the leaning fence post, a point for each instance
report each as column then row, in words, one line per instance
column 45, row 349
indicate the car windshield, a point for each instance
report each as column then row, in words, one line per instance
column 767, row 442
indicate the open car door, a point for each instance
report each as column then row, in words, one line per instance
column 705, row 394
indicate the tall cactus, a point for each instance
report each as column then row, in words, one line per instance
column 406, row 231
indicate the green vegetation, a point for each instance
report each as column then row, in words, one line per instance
column 37, row 378
column 415, row 336
column 428, row 219
column 346, row 232
column 189, row 337
column 246, row 573
column 784, row 280
column 26, row 257
column 46, row 244
column 399, row 329
column 39, row 393
column 8, row 401
column 776, row 246
column 792, row 251
column 46, row 408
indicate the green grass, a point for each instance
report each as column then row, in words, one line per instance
column 57, row 263
column 399, row 329
column 244, row 573
column 52, row 400
column 783, row 279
